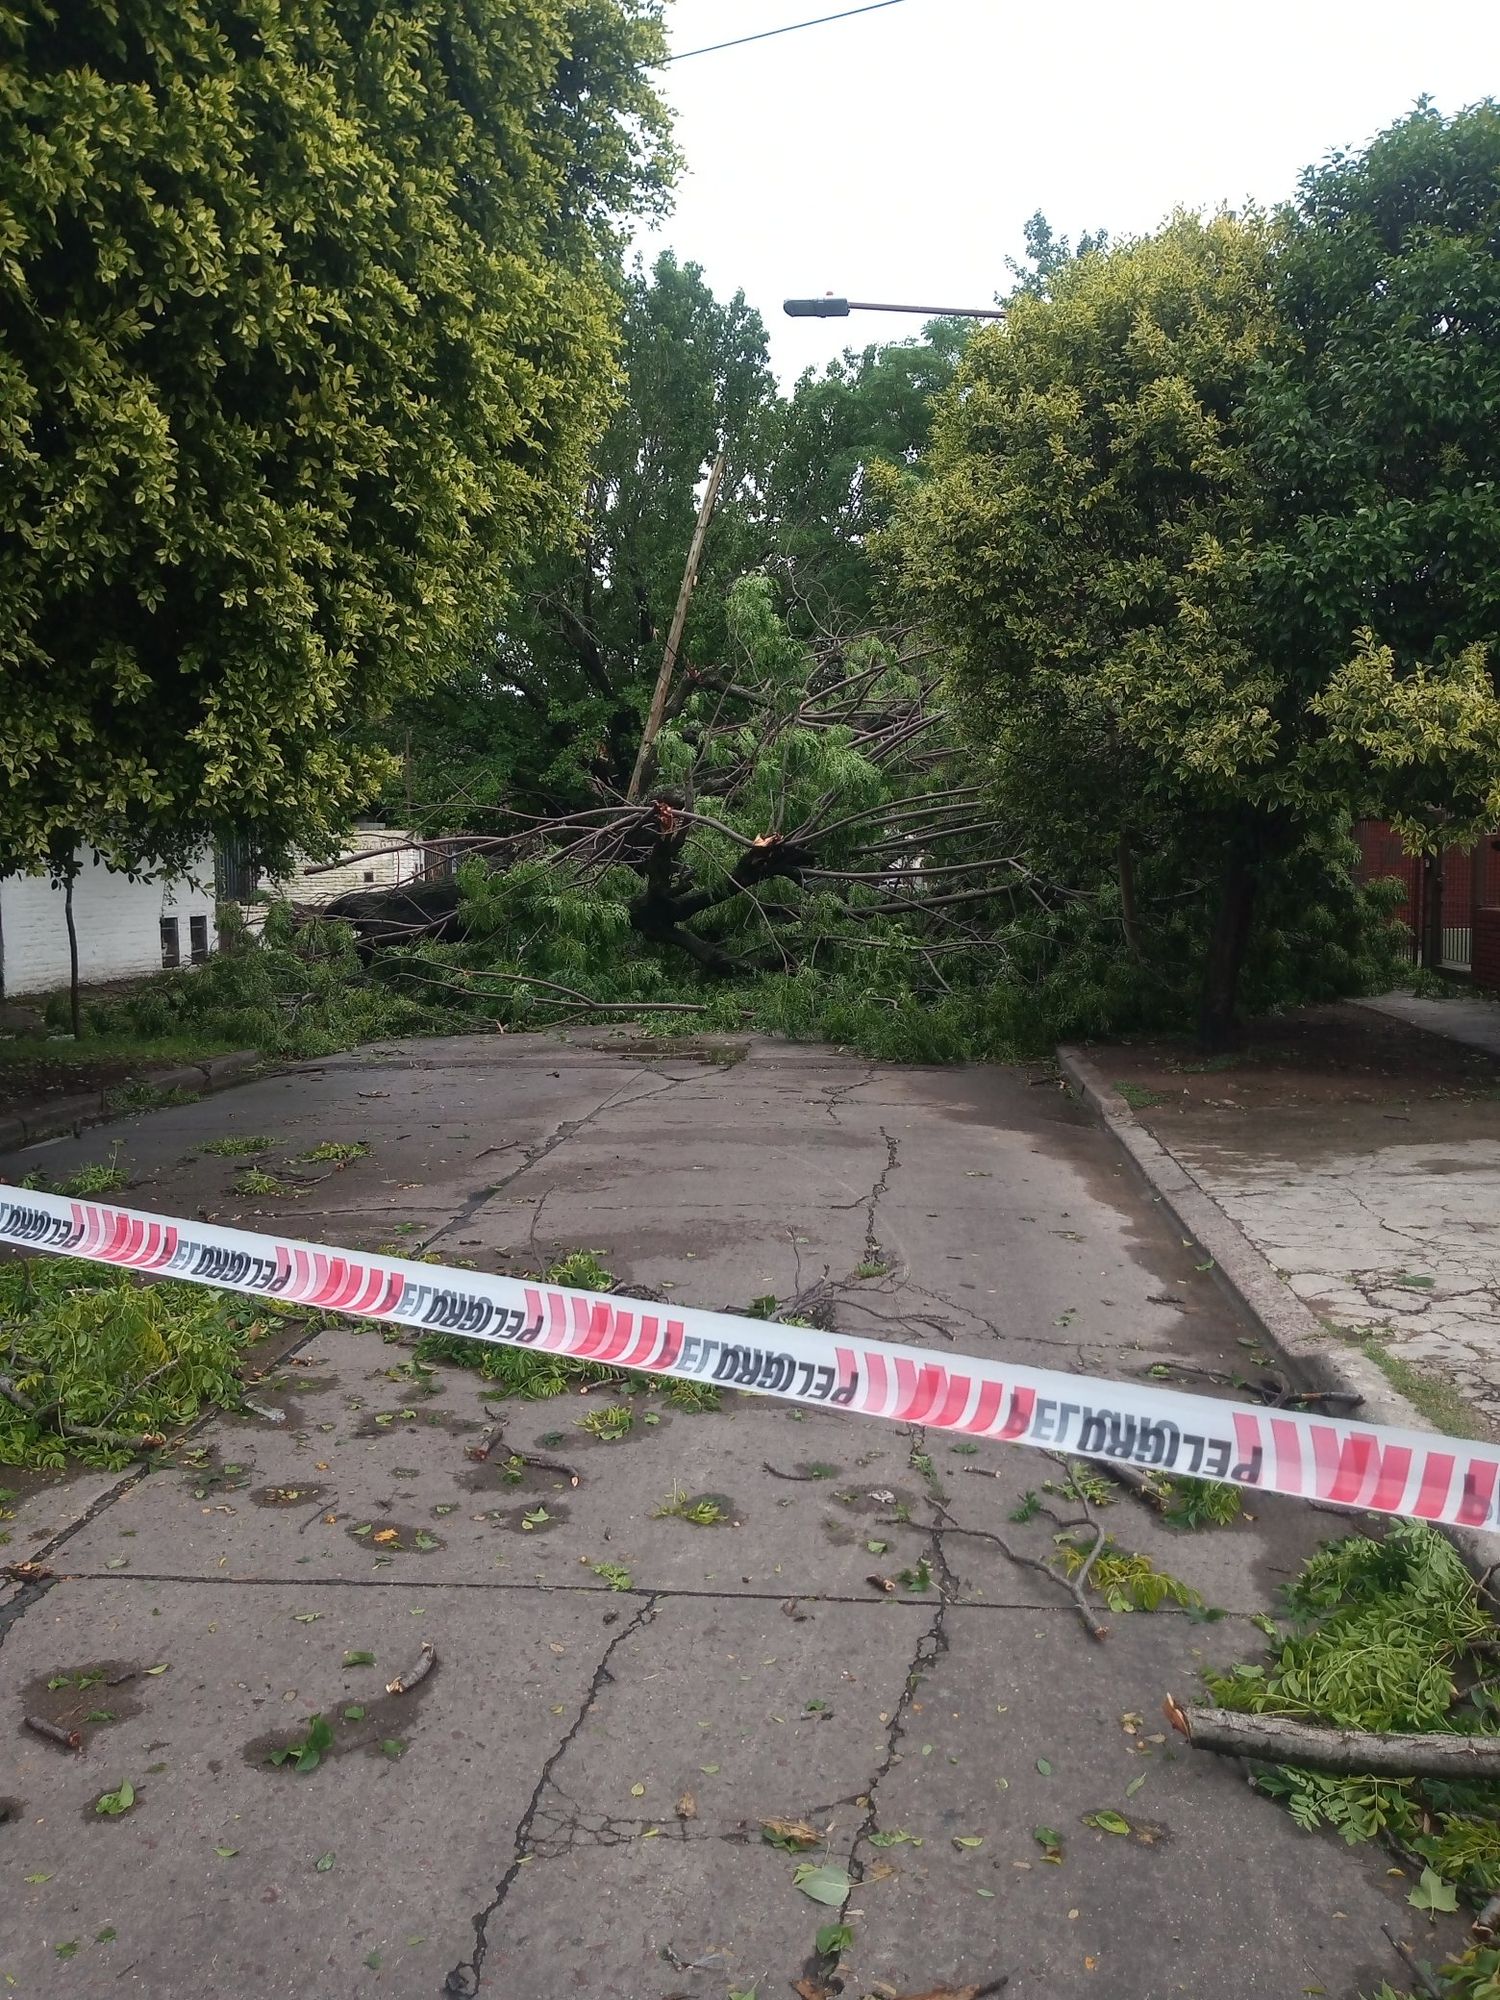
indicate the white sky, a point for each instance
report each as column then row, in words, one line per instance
column 897, row 154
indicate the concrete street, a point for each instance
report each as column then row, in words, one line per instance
column 571, row 1803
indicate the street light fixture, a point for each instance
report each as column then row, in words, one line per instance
column 832, row 308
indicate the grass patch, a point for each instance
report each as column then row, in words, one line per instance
column 95, row 1361
column 150, row 1096
column 230, row 1149
column 1386, row 1635
column 338, row 1151
column 115, row 1045
column 1437, row 1399
column 255, row 1180
column 98, row 1177
column 1139, row 1098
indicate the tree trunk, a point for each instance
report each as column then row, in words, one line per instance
column 674, row 636
column 1280, row 1739
column 1432, row 911
column 1226, row 949
column 1127, row 898
column 75, row 1011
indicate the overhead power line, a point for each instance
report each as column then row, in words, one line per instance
column 792, row 28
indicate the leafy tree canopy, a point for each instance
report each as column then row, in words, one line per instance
column 1109, row 528
column 549, row 705
column 306, row 335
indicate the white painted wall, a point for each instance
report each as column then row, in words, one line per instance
column 367, row 869
column 118, row 923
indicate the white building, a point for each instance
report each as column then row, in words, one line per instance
column 125, row 929
column 373, row 857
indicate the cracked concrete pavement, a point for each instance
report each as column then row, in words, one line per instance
column 1358, row 1147
column 571, row 1803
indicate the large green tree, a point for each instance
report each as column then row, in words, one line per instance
column 547, row 710
column 1093, row 542
column 306, row 335
column 1378, row 442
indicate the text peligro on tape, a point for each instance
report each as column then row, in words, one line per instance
column 1412, row 1473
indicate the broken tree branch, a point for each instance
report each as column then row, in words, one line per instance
column 426, row 1661
column 674, row 634
column 1284, row 1739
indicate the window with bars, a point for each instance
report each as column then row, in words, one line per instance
column 171, row 946
column 198, row 933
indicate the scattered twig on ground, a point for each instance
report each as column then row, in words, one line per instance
column 803, row 1477
column 1134, row 1481
column 1281, row 1739
column 426, row 1661
column 1073, row 1585
column 1404, row 1950
column 70, row 1739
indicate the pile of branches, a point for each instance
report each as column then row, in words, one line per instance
column 802, row 803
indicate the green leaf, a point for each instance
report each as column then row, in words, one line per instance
column 1044, row 1767
column 392, row 1747
column 226, row 1853
column 112, row 1804
column 424, row 1541
column 166, row 1663
column 824, row 1882
column 1049, row 1840
column 373, row 1961
column 832, row 1939
column 1107, row 1822
column 877, row 1548
column 1135, row 1785
column 359, row 1658
column 1433, row 1893
column 38, row 1878
column 107, row 1935
column 354, row 1712
column 968, row 1840
column 66, row 1950
column 324, row 1862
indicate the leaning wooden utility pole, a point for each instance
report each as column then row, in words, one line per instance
column 674, row 636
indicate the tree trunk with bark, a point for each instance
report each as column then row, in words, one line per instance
column 1226, row 948
column 1282, row 1739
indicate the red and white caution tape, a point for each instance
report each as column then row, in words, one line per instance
column 1140, row 1423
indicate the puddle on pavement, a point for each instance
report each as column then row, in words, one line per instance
column 383, row 1719
column 86, row 1698
column 503, row 1474
column 11, row 1811
column 287, row 1496
column 722, row 1055
column 395, row 1538
column 205, row 1472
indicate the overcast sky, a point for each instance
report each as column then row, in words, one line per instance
column 896, row 155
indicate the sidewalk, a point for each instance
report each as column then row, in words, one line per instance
column 1358, row 1147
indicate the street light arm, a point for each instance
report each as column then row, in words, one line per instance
column 832, row 308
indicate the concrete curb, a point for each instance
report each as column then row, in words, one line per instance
column 1313, row 1356
column 70, row 1115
